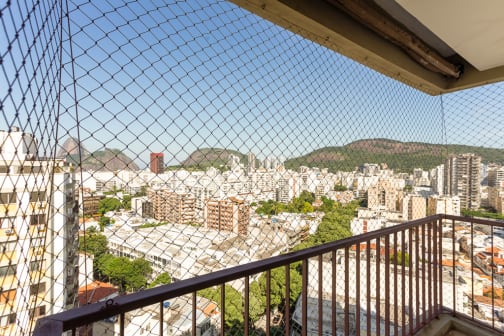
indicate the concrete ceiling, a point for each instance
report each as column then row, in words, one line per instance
column 473, row 29
column 457, row 44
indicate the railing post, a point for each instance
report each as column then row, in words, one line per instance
column 387, row 285
column 304, row 298
column 378, row 285
column 223, row 308
column 454, row 270
column 287, row 301
column 320, row 296
column 268, row 302
column 440, row 264
column 347, row 290
column 435, row 268
column 357, row 289
column 246, row 307
column 193, row 322
column 333, row 292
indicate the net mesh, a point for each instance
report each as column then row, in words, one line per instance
column 165, row 140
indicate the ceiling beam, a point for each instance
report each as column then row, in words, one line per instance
column 327, row 25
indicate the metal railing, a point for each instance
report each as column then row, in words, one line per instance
column 391, row 281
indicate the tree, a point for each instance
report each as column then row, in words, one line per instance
column 233, row 301
column 277, row 285
column 408, row 188
column 126, row 202
column 306, row 208
column 327, row 204
column 161, row 279
column 142, row 192
column 339, row 187
column 109, row 204
column 103, row 222
column 257, row 301
column 398, row 258
column 128, row 275
column 93, row 243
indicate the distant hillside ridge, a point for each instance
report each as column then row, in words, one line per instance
column 104, row 160
column 400, row 156
column 71, row 146
column 211, row 157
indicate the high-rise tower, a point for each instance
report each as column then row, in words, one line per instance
column 157, row 163
column 38, row 235
column 462, row 179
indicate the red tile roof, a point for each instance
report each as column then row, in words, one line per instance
column 95, row 291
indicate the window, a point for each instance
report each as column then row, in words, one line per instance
column 38, row 289
column 38, row 219
column 38, row 311
column 30, row 169
column 7, row 270
column 7, row 222
column 8, row 198
column 38, row 196
column 36, row 242
column 5, row 320
column 7, row 296
column 7, row 246
column 36, row 265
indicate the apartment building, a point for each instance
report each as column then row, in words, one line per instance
column 414, row 207
column 383, row 195
column 157, row 163
column 231, row 215
column 449, row 205
column 462, row 178
column 495, row 176
column 38, row 235
column 172, row 206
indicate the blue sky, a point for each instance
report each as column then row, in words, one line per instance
column 173, row 77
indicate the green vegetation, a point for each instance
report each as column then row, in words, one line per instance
column 129, row 275
column 400, row 156
column 398, row 258
column 339, row 187
column 149, row 225
column 104, row 221
column 277, row 290
column 94, row 243
column 161, row 279
column 109, row 204
column 482, row 213
column 233, row 302
column 335, row 225
column 106, row 159
column 301, row 204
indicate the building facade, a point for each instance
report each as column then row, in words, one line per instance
column 172, row 206
column 462, row 175
column 38, row 235
column 231, row 215
column 157, row 163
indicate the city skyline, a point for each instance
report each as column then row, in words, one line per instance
column 261, row 89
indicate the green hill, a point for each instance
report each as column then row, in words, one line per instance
column 107, row 159
column 203, row 158
column 400, row 156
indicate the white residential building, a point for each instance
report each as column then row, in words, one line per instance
column 38, row 235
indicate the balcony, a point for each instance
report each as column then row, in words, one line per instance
column 410, row 278
column 261, row 102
